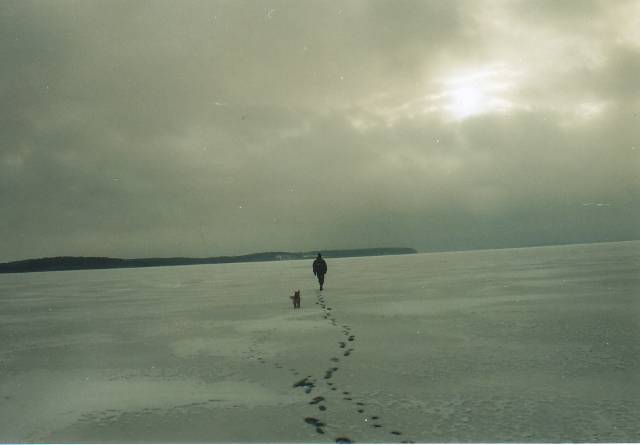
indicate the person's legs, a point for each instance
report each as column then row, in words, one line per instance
column 321, row 280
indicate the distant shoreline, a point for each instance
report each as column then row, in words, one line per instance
column 52, row 264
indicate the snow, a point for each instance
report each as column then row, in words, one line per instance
column 515, row 345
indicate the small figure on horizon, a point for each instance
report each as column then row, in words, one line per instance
column 320, row 269
column 296, row 299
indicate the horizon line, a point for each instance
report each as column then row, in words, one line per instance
column 418, row 251
column 303, row 252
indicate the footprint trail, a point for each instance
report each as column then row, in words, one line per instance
column 345, row 349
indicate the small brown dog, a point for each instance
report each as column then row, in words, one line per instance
column 296, row 299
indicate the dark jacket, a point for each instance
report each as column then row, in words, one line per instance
column 319, row 267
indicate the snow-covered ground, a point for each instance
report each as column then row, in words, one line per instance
column 524, row 345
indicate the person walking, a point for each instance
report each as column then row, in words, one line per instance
column 320, row 269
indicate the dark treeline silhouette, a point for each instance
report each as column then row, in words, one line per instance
column 79, row 263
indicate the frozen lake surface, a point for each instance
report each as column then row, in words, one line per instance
column 517, row 345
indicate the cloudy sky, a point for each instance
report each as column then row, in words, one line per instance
column 137, row 128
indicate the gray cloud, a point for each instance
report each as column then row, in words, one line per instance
column 206, row 128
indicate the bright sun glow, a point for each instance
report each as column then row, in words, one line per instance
column 478, row 92
column 457, row 95
column 466, row 101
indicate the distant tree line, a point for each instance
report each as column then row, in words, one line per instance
column 80, row 263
